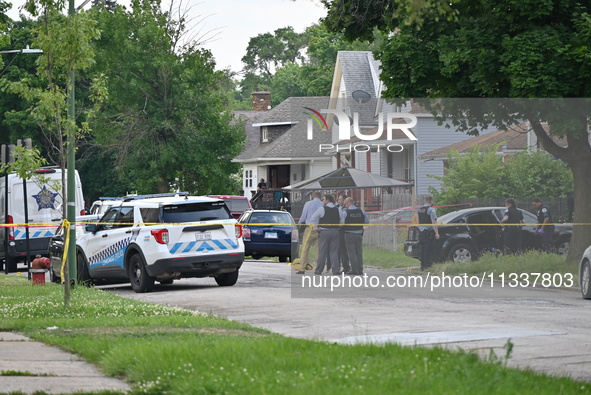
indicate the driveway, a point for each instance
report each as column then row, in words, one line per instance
column 549, row 328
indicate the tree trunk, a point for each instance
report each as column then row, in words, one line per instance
column 163, row 186
column 577, row 154
column 581, row 237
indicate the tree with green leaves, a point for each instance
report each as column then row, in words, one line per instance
column 482, row 174
column 307, row 71
column 491, row 49
column 165, row 125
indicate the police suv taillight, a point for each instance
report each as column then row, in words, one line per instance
column 238, row 230
column 294, row 235
column 160, row 235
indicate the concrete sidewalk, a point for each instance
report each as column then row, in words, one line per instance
column 51, row 370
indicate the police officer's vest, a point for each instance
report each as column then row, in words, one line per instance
column 354, row 216
column 541, row 217
column 423, row 217
column 331, row 218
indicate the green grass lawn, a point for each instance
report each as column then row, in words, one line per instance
column 159, row 349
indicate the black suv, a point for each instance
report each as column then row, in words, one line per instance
column 468, row 233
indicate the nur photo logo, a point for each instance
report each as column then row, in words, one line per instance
column 344, row 130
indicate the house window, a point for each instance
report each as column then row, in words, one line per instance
column 248, row 179
column 265, row 134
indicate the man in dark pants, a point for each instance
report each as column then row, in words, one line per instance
column 512, row 233
column 354, row 220
column 343, row 257
column 327, row 221
column 545, row 225
column 427, row 232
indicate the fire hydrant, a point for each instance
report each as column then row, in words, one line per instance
column 39, row 267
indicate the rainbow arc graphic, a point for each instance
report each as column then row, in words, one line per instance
column 316, row 116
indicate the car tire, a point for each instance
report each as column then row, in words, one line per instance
column 138, row 276
column 83, row 275
column 283, row 259
column 55, row 277
column 256, row 256
column 227, row 279
column 562, row 247
column 461, row 253
column 585, row 280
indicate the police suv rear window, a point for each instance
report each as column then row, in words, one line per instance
column 150, row 215
column 195, row 212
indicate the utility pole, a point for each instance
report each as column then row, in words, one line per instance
column 71, row 174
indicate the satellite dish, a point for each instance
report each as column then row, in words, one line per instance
column 361, row 96
column 336, row 120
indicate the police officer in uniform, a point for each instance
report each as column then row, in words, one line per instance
column 428, row 231
column 355, row 218
column 545, row 224
column 327, row 220
column 512, row 233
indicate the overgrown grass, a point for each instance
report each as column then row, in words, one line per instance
column 529, row 262
column 159, row 350
column 384, row 259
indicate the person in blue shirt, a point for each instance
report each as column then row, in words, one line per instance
column 309, row 235
column 428, row 231
column 354, row 220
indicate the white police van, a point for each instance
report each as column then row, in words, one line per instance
column 152, row 238
column 44, row 205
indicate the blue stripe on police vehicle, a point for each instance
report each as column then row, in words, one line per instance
column 204, row 246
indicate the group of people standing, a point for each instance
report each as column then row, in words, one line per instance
column 335, row 227
column 512, row 221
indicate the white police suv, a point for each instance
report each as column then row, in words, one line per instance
column 162, row 238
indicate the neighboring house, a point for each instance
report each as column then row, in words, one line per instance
column 280, row 151
column 356, row 88
column 515, row 139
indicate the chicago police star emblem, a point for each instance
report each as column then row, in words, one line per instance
column 45, row 198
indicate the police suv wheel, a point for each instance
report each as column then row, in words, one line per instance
column 227, row 279
column 138, row 276
column 82, row 271
column 586, row 279
column 461, row 253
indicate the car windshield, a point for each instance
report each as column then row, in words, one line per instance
column 237, row 204
column 271, row 218
column 195, row 212
column 446, row 218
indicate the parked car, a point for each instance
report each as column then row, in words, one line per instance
column 56, row 243
column 236, row 204
column 159, row 239
column 401, row 217
column 585, row 273
column 468, row 233
column 269, row 233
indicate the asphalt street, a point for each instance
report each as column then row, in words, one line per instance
column 548, row 327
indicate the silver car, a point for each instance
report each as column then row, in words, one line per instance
column 585, row 273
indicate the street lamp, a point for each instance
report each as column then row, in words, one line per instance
column 24, row 50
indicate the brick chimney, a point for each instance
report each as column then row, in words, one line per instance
column 261, row 101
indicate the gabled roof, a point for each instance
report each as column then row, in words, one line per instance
column 252, row 133
column 294, row 142
column 359, row 72
column 347, row 177
column 515, row 139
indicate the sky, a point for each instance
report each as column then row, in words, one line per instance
column 228, row 25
